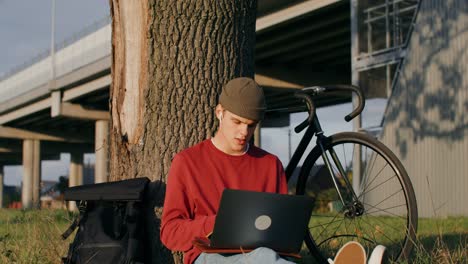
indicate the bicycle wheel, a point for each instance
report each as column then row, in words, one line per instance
column 384, row 210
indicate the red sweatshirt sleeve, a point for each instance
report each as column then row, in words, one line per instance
column 178, row 225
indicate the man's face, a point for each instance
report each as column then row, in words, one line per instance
column 234, row 131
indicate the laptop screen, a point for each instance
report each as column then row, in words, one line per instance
column 249, row 220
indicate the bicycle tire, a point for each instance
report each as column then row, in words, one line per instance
column 324, row 237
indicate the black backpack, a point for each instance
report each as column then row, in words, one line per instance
column 110, row 223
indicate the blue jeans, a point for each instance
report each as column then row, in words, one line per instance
column 260, row 255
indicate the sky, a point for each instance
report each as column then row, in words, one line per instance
column 25, row 32
column 25, row 26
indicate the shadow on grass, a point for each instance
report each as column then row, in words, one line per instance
column 452, row 241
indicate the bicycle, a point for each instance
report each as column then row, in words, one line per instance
column 377, row 207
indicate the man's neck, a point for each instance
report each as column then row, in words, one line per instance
column 218, row 143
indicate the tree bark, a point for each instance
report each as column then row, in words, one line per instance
column 169, row 62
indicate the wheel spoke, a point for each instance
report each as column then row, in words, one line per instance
column 380, row 184
column 383, row 210
column 317, row 215
column 344, row 156
column 378, row 174
column 338, row 227
column 368, row 172
column 400, row 240
column 325, row 228
column 380, row 232
column 359, row 224
column 329, row 223
column 388, row 197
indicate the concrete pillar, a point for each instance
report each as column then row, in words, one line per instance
column 1, row 186
column 76, row 175
column 37, row 179
column 102, row 150
column 27, row 186
column 31, row 188
column 355, row 80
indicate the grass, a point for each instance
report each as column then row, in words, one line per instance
column 33, row 236
column 443, row 240
column 439, row 240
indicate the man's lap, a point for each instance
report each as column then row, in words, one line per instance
column 260, row 255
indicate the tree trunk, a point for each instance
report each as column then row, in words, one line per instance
column 169, row 62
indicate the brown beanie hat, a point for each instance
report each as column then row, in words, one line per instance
column 243, row 97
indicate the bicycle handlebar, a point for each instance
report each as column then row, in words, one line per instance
column 361, row 101
column 310, row 107
column 304, row 94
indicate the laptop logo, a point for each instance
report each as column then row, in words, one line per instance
column 263, row 222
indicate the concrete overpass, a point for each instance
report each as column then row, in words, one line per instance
column 299, row 43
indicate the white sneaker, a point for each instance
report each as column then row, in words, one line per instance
column 350, row 253
column 378, row 255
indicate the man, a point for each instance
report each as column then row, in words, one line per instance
column 199, row 174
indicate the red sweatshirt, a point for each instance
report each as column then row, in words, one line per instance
column 196, row 180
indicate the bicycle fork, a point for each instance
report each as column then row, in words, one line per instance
column 355, row 208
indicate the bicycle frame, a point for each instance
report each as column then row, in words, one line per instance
column 314, row 128
column 299, row 152
column 328, row 149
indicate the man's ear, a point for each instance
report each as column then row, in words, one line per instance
column 219, row 112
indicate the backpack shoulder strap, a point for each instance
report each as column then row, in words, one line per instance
column 76, row 221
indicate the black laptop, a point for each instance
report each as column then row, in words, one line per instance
column 247, row 220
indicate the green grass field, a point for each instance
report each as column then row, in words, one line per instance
column 31, row 237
